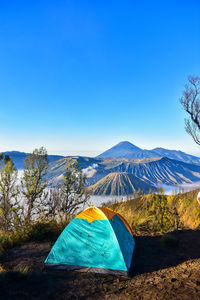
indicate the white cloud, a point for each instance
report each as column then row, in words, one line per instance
column 90, row 168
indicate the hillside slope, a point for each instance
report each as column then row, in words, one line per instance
column 160, row 171
column 88, row 165
column 119, row 184
column 136, row 213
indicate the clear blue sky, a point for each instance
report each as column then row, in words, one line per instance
column 80, row 76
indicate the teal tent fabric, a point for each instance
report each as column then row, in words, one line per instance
column 102, row 244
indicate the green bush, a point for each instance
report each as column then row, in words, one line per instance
column 9, row 240
column 40, row 231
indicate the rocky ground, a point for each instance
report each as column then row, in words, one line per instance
column 168, row 269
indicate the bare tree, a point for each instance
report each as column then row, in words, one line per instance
column 54, row 203
column 73, row 192
column 190, row 101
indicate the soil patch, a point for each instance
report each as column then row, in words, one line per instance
column 158, row 270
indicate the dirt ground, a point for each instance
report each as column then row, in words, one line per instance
column 159, row 271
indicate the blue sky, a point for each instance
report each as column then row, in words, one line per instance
column 81, row 76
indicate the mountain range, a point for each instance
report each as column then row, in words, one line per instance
column 123, row 149
column 127, row 150
column 124, row 168
column 153, row 171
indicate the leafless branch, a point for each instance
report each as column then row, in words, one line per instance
column 190, row 101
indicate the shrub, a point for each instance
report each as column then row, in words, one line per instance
column 40, row 231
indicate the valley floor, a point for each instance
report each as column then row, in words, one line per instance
column 158, row 272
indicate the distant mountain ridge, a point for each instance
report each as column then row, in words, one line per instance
column 177, row 155
column 128, row 150
column 19, row 157
column 121, row 150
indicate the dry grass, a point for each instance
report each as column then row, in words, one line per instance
column 137, row 215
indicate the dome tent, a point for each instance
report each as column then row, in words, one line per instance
column 96, row 240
